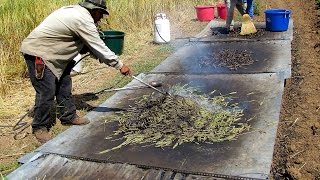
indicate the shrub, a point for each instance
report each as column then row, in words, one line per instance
column 318, row 3
column 256, row 7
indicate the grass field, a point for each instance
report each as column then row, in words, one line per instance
column 18, row 18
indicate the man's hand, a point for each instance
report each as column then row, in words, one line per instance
column 85, row 50
column 125, row 70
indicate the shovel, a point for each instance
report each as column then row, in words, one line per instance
column 153, row 84
column 164, row 93
column 247, row 26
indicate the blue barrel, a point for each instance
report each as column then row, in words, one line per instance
column 277, row 19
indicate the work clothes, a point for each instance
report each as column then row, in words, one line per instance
column 230, row 4
column 42, row 135
column 249, row 6
column 62, row 35
column 47, row 89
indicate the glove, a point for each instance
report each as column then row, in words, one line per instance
column 125, row 70
column 84, row 50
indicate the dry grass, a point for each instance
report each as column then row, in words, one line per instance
column 3, row 80
column 18, row 19
column 139, row 53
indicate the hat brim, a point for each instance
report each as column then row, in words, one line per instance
column 92, row 6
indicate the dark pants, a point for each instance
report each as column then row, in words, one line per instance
column 47, row 89
column 250, row 8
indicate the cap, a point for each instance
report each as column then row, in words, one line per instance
column 95, row 4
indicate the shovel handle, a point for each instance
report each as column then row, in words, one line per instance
column 125, row 88
column 148, row 85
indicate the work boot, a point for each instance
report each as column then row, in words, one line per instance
column 42, row 135
column 77, row 121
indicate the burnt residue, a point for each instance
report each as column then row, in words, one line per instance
column 219, row 31
column 230, row 58
column 223, row 32
column 268, row 56
column 236, row 33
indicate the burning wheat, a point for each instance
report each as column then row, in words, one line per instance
column 184, row 117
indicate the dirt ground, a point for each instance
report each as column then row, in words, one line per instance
column 297, row 149
column 297, row 152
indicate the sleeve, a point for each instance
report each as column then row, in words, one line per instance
column 89, row 34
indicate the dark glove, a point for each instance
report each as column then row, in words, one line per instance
column 84, row 50
column 125, row 70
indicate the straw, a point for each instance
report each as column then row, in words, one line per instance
column 247, row 25
column 187, row 116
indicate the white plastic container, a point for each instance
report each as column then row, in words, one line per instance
column 77, row 67
column 161, row 29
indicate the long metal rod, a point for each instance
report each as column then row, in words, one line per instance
column 125, row 88
column 149, row 85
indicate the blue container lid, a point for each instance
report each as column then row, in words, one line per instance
column 278, row 11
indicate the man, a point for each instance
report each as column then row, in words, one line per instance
column 230, row 4
column 49, row 51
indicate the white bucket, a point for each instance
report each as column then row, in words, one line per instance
column 161, row 29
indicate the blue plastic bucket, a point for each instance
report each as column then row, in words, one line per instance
column 277, row 19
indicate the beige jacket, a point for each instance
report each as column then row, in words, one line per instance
column 60, row 37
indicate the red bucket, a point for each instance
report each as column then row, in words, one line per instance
column 222, row 10
column 205, row 13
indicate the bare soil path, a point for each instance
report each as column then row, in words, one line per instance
column 297, row 152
